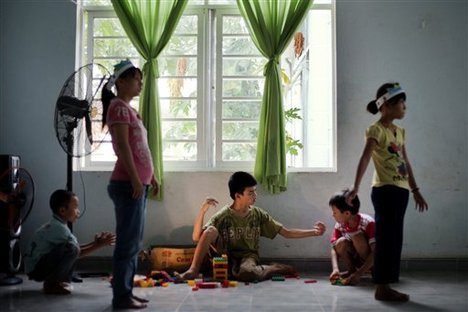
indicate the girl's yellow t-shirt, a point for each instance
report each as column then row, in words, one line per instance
column 390, row 165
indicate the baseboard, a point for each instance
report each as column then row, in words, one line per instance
column 410, row 264
column 104, row 264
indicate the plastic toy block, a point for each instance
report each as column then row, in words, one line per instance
column 338, row 281
column 222, row 259
column 220, row 268
column 233, row 283
column 191, row 283
column 207, row 285
column 195, row 288
column 277, row 278
column 295, row 275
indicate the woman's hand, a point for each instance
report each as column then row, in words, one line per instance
column 138, row 189
column 155, row 185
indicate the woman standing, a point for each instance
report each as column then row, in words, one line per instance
column 132, row 174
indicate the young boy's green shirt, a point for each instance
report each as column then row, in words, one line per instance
column 241, row 235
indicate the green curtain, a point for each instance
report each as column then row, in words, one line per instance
column 272, row 24
column 149, row 24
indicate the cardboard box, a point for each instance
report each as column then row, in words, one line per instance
column 171, row 257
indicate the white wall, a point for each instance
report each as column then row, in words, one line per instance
column 421, row 44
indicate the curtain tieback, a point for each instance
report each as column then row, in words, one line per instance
column 153, row 66
column 273, row 61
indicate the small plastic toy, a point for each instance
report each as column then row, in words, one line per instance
column 338, row 280
column 294, row 275
column 220, row 268
column 277, row 278
column 227, row 284
column 207, row 285
column 146, row 282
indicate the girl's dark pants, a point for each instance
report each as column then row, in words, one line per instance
column 390, row 204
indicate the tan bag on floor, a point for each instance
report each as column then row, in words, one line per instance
column 171, row 257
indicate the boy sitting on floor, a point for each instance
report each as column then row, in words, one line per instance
column 236, row 230
column 353, row 239
column 54, row 250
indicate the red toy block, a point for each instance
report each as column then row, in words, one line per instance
column 207, row 285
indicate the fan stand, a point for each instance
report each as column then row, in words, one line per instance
column 10, row 279
column 75, row 277
column 70, row 169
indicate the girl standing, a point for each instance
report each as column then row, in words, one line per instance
column 393, row 180
column 132, row 174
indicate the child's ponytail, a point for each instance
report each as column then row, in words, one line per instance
column 372, row 107
column 106, row 97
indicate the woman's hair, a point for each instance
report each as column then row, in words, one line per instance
column 107, row 95
column 239, row 181
column 60, row 198
column 372, row 106
column 339, row 201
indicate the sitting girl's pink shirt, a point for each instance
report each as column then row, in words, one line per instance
column 121, row 113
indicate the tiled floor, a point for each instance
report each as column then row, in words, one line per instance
column 429, row 291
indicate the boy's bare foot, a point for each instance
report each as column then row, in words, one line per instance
column 128, row 303
column 187, row 275
column 385, row 293
column 56, row 288
column 279, row 268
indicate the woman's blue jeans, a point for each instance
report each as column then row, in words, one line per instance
column 130, row 221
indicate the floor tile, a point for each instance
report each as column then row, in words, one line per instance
column 429, row 291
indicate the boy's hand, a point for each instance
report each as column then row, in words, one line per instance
column 319, row 228
column 104, row 239
column 334, row 276
column 209, row 202
column 353, row 279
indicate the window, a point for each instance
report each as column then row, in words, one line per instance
column 211, row 84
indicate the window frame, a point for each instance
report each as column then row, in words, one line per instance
column 209, row 110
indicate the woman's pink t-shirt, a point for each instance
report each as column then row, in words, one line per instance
column 121, row 113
